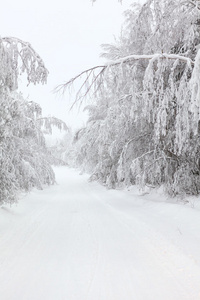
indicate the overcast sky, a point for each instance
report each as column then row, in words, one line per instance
column 67, row 35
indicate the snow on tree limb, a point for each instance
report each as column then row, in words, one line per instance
column 144, row 122
column 195, row 87
column 149, row 57
column 19, row 57
column 48, row 122
column 92, row 77
column 24, row 159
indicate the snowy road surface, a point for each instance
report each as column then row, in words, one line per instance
column 78, row 241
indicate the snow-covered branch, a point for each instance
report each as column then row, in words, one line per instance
column 143, row 155
column 150, row 57
column 95, row 74
column 155, row 92
column 31, row 63
column 48, row 122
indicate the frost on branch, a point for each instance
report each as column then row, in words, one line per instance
column 17, row 57
column 157, row 98
column 47, row 123
column 195, row 88
column 94, row 78
column 143, row 126
column 23, row 154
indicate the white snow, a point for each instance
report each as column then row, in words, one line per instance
column 78, row 241
column 149, row 57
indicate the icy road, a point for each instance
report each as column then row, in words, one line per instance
column 78, row 241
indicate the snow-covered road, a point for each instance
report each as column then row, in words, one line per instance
column 78, row 241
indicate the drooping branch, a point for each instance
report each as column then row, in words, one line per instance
column 19, row 57
column 92, row 77
column 89, row 72
column 48, row 122
column 149, row 57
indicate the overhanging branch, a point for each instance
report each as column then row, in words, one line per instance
column 92, row 76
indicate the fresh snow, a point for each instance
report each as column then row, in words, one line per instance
column 149, row 57
column 79, row 241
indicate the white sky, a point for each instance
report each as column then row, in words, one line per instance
column 67, row 35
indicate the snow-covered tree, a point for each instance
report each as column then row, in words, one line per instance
column 59, row 145
column 144, row 123
column 24, row 159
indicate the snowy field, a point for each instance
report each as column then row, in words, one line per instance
column 78, row 241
